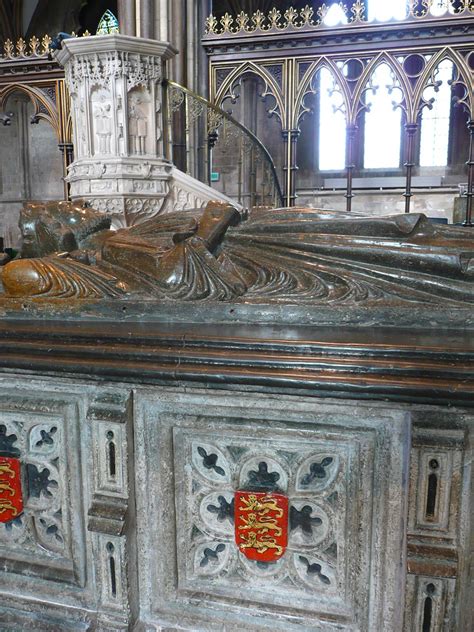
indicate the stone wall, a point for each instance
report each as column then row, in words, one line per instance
column 30, row 165
column 431, row 202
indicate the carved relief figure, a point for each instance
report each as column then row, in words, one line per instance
column 138, row 122
column 138, row 126
column 81, row 128
column 293, row 255
column 102, row 121
column 104, row 127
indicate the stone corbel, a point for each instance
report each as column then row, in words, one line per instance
column 6, row 118
column 107, row 515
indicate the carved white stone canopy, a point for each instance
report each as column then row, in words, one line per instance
column 115, row 42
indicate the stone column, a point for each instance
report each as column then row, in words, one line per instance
column 162, row 10
column 115, row 86
column 126, row 15
column 147, row 18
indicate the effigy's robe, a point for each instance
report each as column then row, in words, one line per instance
column 287, row 255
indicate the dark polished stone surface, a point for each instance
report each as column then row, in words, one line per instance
column 270, row 257
column 431, row 365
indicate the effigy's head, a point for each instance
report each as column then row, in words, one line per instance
column 48, row 227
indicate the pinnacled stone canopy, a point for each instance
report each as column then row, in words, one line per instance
column 285, row 255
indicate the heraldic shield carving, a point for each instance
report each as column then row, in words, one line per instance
column 11, row 498
column 261, row 524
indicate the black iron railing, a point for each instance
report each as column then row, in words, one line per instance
column 207, row 143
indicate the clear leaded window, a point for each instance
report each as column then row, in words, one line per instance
column 382, row 122
column 384, row 10
column 434, row 139
column 382, row 119
column 335, row 15
column 332, row 124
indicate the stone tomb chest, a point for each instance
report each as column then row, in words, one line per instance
column 233, row 439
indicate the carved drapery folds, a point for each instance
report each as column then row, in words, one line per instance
column 296, row 255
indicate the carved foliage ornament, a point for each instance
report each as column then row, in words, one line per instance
column 31, row 491
column 305, row 18
column 101, row 68
column 260, row 513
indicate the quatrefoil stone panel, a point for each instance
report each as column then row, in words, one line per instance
column 314, row 475
column 311, row 485
column 42, row 435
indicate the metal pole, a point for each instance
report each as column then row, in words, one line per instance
column 470, row 174
column 410, row 129
column 350, row 166
column 286, row 144
column 187, row 137
column 294, row 134
column 290, row 139
column 67, row 151
column 212, row 138
column 240, row 168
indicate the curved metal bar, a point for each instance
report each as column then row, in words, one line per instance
column 222, row 113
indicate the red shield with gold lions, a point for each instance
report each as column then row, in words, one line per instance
column 261, row 524
column 11, row 498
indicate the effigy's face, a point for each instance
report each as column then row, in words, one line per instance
column 57, row 227
column 38, row 232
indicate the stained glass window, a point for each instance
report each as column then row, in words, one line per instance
column 108, row 24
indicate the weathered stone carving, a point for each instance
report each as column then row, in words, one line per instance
column 139, row 120
column 102, row 122
column 106, row 65
column 278, row 255
column 321, row 571
column 42, row 532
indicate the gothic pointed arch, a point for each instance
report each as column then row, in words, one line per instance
column 462, row 77
column 228, row 87
column 401, row 83
column 44, row 106
column 306, row 87
column 108, row 24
